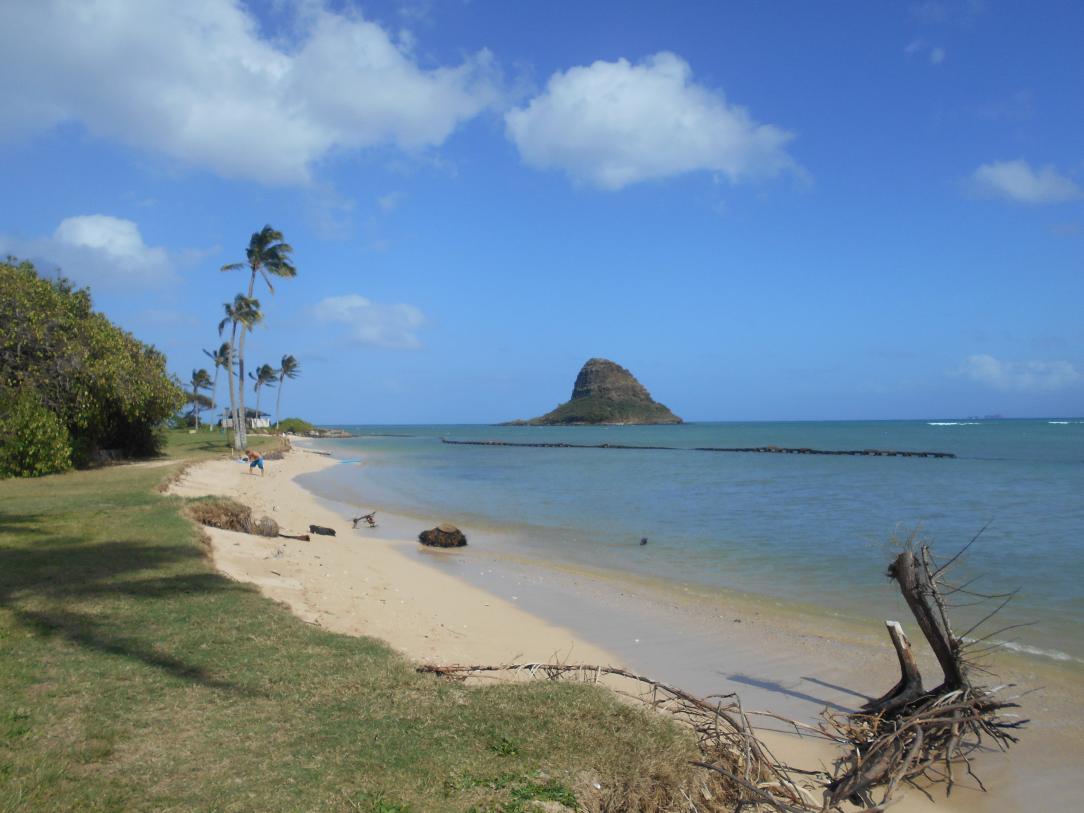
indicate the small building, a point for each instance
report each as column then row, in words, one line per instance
column 255, row 419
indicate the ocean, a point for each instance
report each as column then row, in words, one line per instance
column 807, row 530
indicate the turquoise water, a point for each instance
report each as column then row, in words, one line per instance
column 810, row 529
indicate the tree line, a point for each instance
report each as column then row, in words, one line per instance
column 76, row 388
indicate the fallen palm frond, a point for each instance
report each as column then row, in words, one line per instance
column 230, row 515
column 221, row 512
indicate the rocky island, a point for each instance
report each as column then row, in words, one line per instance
column 605, row 393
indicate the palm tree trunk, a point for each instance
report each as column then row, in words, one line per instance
column 241, row 368
column 196, row 405
column 233, row 393
column 214, row 395
column 241, row 388
column 278, row 400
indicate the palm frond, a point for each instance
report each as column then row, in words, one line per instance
column 289, row 367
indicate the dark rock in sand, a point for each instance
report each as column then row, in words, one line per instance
column 443, row 536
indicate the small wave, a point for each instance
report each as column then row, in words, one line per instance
column 952, row 423
column 1060, row 423
column 1025, row 649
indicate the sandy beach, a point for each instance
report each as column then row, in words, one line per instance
column 380, row 584
column 358, row 583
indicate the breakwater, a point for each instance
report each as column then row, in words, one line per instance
column 747, row 449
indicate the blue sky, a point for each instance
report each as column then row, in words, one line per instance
column 764, row 210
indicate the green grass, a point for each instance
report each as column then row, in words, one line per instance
column 200, row 445
column 134, row 677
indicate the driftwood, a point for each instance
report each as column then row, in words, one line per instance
column 301, row 537
column 909, row 736
column 369, row 519
column 909, row 687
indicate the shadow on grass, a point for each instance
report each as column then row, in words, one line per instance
column 60, row 571
column 20, row 524
column 81, row 629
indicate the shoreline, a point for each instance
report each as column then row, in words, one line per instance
column 516, row 550
column 520, row 611
column 813, row 531
column 365, row 585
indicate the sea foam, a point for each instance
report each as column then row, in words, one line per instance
column 1053, row 654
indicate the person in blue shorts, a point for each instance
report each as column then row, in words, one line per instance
column 255, row 459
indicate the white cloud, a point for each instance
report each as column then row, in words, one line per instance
column 97, row 250
column 1021, row 376
column 934, row 53
column 614, row 123
column 197, row 82
column 390, row 202
column 1017, row 181
column 960, row 12
column 372, row 323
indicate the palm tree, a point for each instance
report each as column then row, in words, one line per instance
column 288, row 368
column 267, row 256
column 201, row 380
column 220, row 357
column 264, row 376
column 245, row 312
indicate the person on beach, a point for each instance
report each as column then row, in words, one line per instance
column 255, row 459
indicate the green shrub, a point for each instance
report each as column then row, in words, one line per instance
column 33, row 441
column 108, row 389
column 296, row 425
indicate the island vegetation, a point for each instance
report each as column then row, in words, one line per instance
column 605, row 393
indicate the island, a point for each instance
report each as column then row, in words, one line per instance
column 605, row 393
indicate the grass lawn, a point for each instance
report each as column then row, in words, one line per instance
column 134, row 677
column 199, row 445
